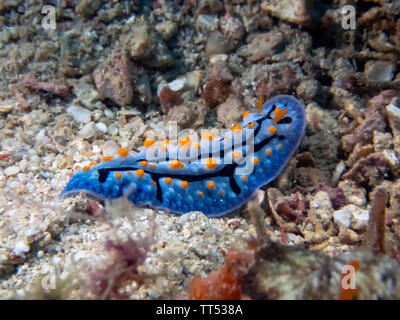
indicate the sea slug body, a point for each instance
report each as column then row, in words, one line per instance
column 215, row 176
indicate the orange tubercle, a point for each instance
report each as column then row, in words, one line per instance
column 184, row 141
column 237, row 129
column 279, row 114
column 211, row 163
column 143, row 163
column 140, row 173
column 86, row 168
column 107, row 158
column 201, row 194
column 244, row 178
column 211, row 185
column 207, row 136
column 272, row 130
column 184, row 184
column 176, row 164
column 123, row 152
column 148, row 143
column 260, row 104
column 168, row 180
column 236, row 154
column 269, row 152
column 256, row 161
column 118, row 175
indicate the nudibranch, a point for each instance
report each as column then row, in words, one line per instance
column 216, row 175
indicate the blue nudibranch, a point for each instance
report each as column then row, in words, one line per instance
column 215, row 176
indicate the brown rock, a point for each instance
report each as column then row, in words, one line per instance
column 354, row 194
column 169, row 98
column 374, row 120
column 295, row 11
column 309, row 177
column 145, row 45
column 215, row 92
column 280, row 80
column 230, row 112
column 114, row 79
column 218, row 43
column 369, row 170
column 187, row 116
column 262, row 46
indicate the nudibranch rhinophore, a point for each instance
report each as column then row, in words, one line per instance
column 215, row 175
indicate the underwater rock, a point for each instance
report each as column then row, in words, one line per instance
column 186, row 117
column 79, row 114
column 56, row 87
column 86, row 93
column 215, row 92
column 167, row 29
column 169, row 98
column 295, row 11
column 369, row 170
column 308, row 89
column 321, row 208
column 379, row 70
column 354, row 194
column 230, row 112
column 210, row 6
column 279, row 80
column 218, row 43
column 393, row 114
column 220, row 70
column 262, row 46
column 374, row 120
column 314, row 275
column 291, row 208
column 352, row 217
column 145, row 45
column 232, row 27
column 206, row 23
column 88, row 8
column 114, row 79
column 309, row 177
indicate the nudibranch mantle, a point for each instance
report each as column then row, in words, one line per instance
column 222, row 176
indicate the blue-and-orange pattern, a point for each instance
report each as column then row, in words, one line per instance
column 209, row 182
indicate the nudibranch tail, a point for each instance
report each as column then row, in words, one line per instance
column 216, row 175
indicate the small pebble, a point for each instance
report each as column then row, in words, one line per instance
column 177, row 84
column 101, row 127
column 88, row 130
column 79, row 114
column 11, row 171
column 108, row 113
column 20, row 249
